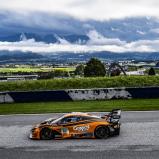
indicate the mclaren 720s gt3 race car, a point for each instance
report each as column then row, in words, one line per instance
column 78, row 125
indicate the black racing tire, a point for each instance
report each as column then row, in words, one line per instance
column 117, row 131
column 101, row 132
column 46, row 134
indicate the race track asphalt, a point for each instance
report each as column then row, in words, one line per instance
column 139, row 139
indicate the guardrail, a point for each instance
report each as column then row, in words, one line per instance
column 79, row 94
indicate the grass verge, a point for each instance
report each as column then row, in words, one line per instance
column 75, row 83
column 82, row 106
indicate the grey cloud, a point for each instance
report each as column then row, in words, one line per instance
column 39, row 21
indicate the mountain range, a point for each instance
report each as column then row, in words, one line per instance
column 53, row 58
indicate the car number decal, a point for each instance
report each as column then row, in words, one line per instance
column 64, row 130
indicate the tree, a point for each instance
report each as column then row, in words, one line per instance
column 151, row 72
column 94, row 68
column 79, row 70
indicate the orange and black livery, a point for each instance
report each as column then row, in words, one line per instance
column 78, row 125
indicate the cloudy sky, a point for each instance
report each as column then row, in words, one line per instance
column 83, row 10
column 86, row 9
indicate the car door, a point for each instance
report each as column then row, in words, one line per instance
column 66, row 126
column 80, row 128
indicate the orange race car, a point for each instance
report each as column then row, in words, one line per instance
column 78, row 125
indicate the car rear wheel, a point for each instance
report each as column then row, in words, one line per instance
column 101, row 132
column 46, row 134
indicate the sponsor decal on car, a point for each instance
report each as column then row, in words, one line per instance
column 81, row 128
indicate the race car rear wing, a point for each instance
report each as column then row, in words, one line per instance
column 113, row 116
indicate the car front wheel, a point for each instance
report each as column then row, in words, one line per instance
column 46, row 134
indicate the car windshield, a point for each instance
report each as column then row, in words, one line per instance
column 57, row 120
column 65, row 120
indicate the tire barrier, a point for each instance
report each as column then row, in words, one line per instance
column 79, row 94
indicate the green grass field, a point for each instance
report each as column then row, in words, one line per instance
column 33, row 69
column 82, row 106
column 75, row 83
